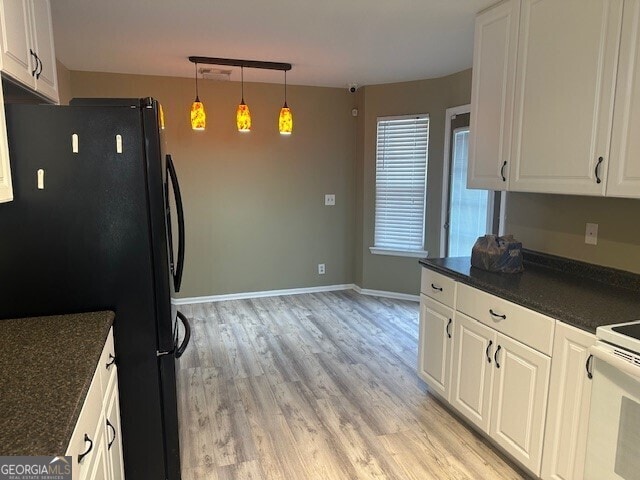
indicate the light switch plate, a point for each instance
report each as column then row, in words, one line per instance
column 330, row 199
column 591, row 234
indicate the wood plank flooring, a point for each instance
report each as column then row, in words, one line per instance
column 317, row 386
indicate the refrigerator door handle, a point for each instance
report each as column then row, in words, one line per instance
column 187, row 335
column 177, row 274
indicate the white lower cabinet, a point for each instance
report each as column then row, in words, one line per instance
column 96, row 468
column 519, row 403
column 96, row 445
column 113, row 433
column 491, row 360
column 500, row 385
column 569, row 400
column 472, row 370
column 434, row 355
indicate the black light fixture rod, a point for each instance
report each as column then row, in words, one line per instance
column 234, row 62
column 197, row 98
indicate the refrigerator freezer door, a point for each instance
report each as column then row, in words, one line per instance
column 83, row 243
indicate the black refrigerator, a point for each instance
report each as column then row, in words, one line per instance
column 91, row 227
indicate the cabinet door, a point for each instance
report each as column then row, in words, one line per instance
column 519, row 403
column 472, row 370
column 113, row 433
column 96, row 468
column 6, row 190
column 46, row 77
column 494, row 72
column 434, row 349
column 565, row 86
column 17, row 61
column 624, row 168
column 565, row 441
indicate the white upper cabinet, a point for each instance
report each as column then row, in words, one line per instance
column 17, row 61
column 6, row 190
column 47, row 77
column 494, row 67
column 28, row 54
column 556, row 98
column 624, row 165
column 565, row 89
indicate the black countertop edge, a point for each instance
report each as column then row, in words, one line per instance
column 47, row 365
column 598, row 273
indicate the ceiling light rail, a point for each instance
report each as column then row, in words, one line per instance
column 243, row 116
column 234, row 62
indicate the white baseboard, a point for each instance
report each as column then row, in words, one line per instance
column 266, row 293
column 385, row 294
column 295, row 291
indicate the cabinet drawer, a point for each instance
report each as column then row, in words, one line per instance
column 438, row 287
column 529, row 327
column 107, row 366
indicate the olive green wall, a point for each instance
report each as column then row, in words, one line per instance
column 64, row 83
column 433, row 96
column 556, row 224
column 254, row 201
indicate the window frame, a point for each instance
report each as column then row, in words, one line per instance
column 402, row 252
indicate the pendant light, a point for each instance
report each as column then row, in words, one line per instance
column 198, row 117
column 161, row 115
column 285, row 122
column 243, row 116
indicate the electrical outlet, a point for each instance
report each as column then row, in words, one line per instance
column 591, row 234
column 330, row 199
column 321, row 269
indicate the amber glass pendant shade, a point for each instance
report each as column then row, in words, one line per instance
column 243, row 117
column 161, row 117
column 198, row 116
column 285, row 122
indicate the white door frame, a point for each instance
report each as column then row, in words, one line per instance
column 448, row 116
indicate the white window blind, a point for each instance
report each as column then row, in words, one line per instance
column 401, row 183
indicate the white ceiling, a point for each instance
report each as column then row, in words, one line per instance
column 329, row 42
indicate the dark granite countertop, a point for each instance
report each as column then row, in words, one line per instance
column 46, row 367
column 583, row 295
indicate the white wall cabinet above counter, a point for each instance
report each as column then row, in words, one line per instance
column 28, row 53
column 27, row 57
column 564, row 124
column 493, row 83
column 6, row 189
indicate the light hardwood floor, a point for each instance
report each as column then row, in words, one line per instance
column 317, row 386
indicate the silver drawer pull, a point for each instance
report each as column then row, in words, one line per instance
column 435, row 287
column 497, row 315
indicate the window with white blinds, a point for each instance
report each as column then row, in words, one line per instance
column 401, row 184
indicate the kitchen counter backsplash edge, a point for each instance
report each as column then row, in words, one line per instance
column 598, row 273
